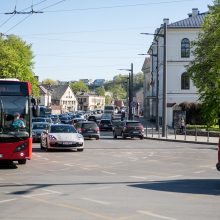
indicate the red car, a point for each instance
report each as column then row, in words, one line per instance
column 218, row 164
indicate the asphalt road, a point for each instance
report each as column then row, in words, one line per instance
column 112, row 179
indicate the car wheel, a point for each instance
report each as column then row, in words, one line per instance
column 141, row 137
column 123, row 135
column 80, row 150
column 22, row 161
column 97, row 138
column 115, row 136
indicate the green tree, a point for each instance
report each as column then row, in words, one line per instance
column 205, row 68
column 100, row 91
column 16, row 61
column 79, row 87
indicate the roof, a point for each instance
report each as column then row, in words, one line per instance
column 193, row 21
column 57, row 91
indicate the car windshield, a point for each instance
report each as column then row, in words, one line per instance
column 39, row 126
column 62, row 129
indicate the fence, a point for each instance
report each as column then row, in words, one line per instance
column 188, row 135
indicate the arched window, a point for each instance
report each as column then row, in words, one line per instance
column 185, row 48
column 185, row 81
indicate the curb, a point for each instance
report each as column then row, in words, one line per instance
column 182, row 141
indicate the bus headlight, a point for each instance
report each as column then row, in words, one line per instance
column 21, row 147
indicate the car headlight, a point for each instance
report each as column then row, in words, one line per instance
column 79, row 136
column 51, row 137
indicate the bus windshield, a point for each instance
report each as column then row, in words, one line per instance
column 11, row 108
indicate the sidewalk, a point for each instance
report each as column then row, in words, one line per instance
column 151, row 133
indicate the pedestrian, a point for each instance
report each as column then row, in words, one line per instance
column 17, row 122
column 182, row 124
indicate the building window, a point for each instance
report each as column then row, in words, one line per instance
column 185, row 81
column 185, row 48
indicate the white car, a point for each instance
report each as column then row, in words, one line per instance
column 61, row 136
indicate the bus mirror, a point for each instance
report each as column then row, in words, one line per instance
column 36, row 110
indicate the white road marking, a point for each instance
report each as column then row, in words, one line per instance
column 108, row 172
column 99, row 188
column 200, row 171
column 96, row 201
column 7, row 200
column 155, row 215
column 52, row 191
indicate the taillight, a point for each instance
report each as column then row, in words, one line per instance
column 97, row 129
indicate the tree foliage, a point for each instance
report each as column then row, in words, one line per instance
column 16, row 61
column 205, row 68
column 100, row 91
column 79, row 87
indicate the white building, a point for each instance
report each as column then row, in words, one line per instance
column 180, row 88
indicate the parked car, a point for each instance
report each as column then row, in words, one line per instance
column 61, row 136
column 129, row 129
column 37, row 129
column 105, row 124
column 218, row 164
column 89, row 129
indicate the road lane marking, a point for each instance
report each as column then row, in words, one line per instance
column 99, row 188
column 7, row 200
column 155, row 215
column 108, row 172
column 96, row 201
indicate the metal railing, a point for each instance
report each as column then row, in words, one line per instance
column 195, row 135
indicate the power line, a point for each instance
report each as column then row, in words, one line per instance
column 118, row 6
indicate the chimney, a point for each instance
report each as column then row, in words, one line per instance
column 166, row 20
column 195, row 12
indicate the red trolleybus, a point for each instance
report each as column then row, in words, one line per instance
column 15, row 143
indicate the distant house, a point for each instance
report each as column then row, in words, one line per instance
column 98, row 82
column 89, row 101
column 62, row 98
column 45, row 96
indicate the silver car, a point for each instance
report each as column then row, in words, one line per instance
column 61, row 136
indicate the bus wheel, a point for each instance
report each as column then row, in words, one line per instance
column 22, row 161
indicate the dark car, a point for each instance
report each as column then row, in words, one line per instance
column 89, row 129
column 105, row 124
column 65, row 120
column 37, row 129
column 129, row 129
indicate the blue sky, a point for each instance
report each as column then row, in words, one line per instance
column 90, row 39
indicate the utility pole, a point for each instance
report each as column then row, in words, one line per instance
column 164, row 124
column 130, row 91
column 130, row 116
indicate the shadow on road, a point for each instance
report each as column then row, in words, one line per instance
column 7, row 165
column 192, row 186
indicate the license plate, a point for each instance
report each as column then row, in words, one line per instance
column 1, row 155
column 67, row 143
column 135, row 132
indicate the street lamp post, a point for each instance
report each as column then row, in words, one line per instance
column 130, row 92
column 164, row 108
